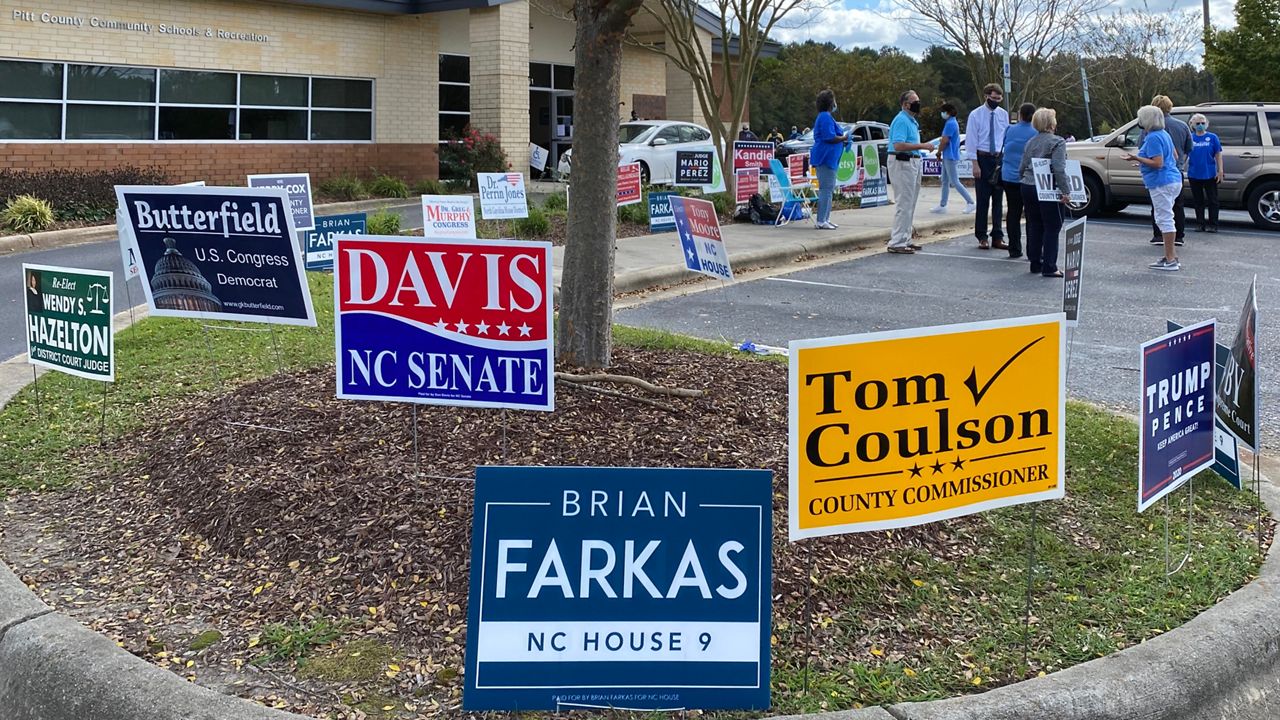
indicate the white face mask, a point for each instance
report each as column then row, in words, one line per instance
column 946, row 116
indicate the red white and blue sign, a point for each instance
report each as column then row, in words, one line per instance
column 317, row 244
column 1176, row 423
column 622, row 588
column 1226, row 453
column 700, row 240
column 444, row 322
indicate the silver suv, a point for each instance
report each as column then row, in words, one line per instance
column 1250, row 135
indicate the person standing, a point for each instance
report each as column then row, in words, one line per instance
column 746, row 134
column 949, row 153
column 1044, row 217
column 1160, row 174
column 1204, row 171
column 824, row 158
column 1180, row 136
column 904, row 171
column 985, row 135
column 1015, row 140
column 775, row 136
column 795, row 133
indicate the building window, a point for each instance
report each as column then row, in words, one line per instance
column 71, row 101
column 455, row 94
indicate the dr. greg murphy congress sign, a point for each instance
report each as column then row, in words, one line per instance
column 910, row 426
column 628, row 588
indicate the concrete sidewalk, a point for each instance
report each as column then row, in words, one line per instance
column 650, row 261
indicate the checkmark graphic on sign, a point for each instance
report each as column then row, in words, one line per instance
column 972, row 381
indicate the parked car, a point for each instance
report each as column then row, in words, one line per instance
column 937, row 142
column 653, row 144
column 863, row 131
column 1250, row 135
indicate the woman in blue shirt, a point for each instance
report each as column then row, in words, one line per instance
column 1162, row 178
column 828, row 146
column 949, row 152
column 1204, row 171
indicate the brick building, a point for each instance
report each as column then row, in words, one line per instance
column 218, row 89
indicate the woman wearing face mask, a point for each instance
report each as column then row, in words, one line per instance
column 1204, row 170
column 824, row 158
column 949, row 152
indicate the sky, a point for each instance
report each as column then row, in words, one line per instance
column 870, row 23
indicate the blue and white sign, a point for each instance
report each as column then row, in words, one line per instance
column 627, row 588
column 1226, row 453
column 217, row 253
column 700, row 240
column 318, row 243
column 1175, row 427
column 660, row 217
column 298, row 185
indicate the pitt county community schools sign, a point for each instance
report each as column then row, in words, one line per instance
column 911, row 426
column 134, row 25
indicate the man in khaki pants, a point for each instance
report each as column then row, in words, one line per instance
column 904, row 170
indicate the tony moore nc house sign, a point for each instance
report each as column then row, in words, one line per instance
column 144, row 26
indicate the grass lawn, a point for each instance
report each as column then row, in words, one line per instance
column 901, row 624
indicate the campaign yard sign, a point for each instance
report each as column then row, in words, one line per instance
column 699, row 229
column 444, row 322
column 798, row 168
column 849, row 172
column 1176, row 422
column 1047, row 189
column 502, row 196
column 68, row 320
column 629, row 184
column 1237, row 391
column 318, row 243
column 298, row 185
column 217, row 253
column 1071, row 269
column 932, row 167
column 449, row 217
column 1226, row 453
column 875, row 187
column 746, row 184
column 626, row 588
column 661, row 219
column 128, row 247
column 752, row 154
column 694, row 167
column 899, row 428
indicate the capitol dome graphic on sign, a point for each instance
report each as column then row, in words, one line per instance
column 177, row 283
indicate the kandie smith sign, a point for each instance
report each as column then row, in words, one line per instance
column 906, row 427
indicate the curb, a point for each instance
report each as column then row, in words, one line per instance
column 100, row 233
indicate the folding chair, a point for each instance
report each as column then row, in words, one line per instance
column 792, row 193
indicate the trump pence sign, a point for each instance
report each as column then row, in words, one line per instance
column 628, row 588
column 444, row 322
column 905, row 427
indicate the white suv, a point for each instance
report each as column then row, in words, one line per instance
column 653, row 144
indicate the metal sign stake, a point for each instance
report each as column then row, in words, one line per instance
column 1026, row 617
column 1168, row 571
column 808, row 617
column 35, row 385
column 102, row 423
column 417, row 461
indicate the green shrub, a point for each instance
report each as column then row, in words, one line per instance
column 294, row 642
column 343, row 187
column 428, row 187
column 390, row 187
column 26, row 214
column 724, row 202
column 533, row 227
column 464, row 155
column 77, row 194
column 556, row 203
column 457, row 187
column 637, row 213
column 383, row 223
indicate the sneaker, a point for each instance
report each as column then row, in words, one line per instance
column 938, row 210
column 1212, row 229
column 1166, row 265
column 970, row 209
column 1179, row 241
column 1156, row 240
column 833, row 225
column 826, row 226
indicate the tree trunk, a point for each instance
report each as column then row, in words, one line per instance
column 586, row 295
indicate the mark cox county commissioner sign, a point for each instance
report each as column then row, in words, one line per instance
column 911, row 426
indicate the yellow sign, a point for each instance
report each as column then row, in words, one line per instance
column 911, row 426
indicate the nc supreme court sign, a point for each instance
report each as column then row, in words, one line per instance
column 911, row 426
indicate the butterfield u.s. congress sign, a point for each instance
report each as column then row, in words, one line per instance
column 905, row 427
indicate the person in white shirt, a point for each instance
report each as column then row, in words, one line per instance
column 984, row 137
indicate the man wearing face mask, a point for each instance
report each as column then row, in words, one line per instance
column 904, row 171
column 985, row 136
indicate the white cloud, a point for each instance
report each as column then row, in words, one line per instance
column 848, row 27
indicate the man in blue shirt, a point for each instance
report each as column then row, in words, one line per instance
column 1015, row 141
column 904, row 171
column 984, row 135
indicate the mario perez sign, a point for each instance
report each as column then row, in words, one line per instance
column 627, row 588
column 911, row 426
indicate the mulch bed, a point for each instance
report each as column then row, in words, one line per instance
column 209, row 525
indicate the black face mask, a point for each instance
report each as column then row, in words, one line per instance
column 993, row 104
column 914, row 107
